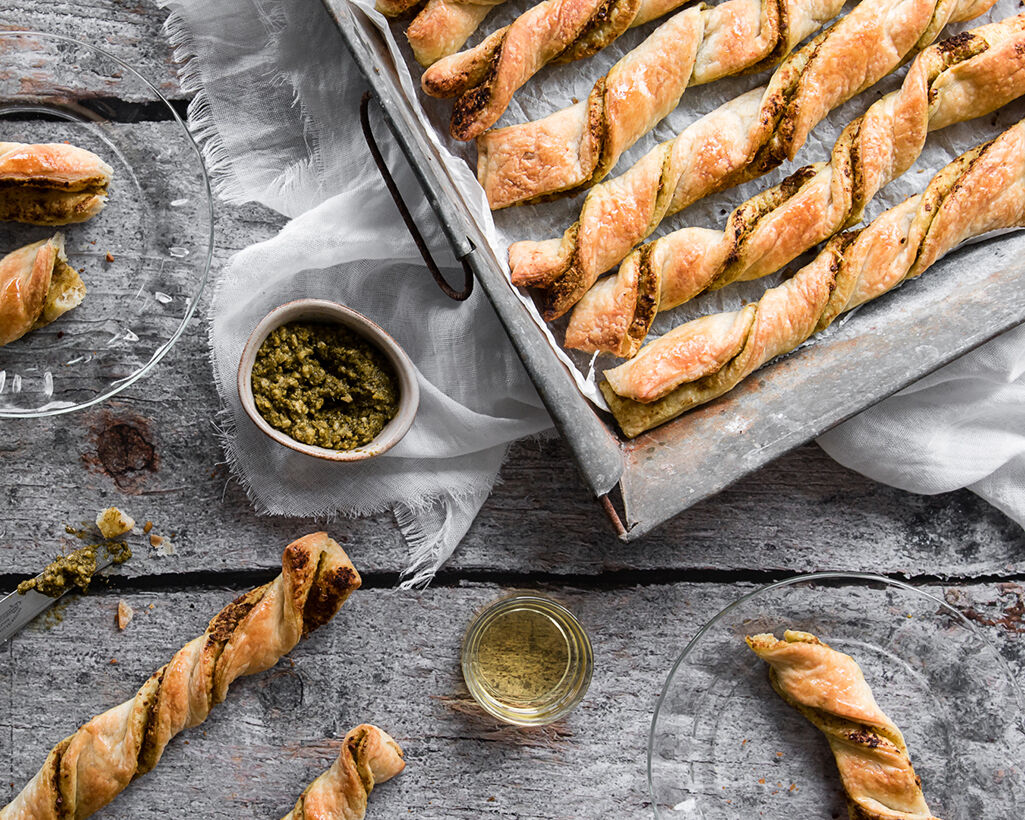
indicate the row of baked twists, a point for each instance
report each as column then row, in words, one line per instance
column 964, row 77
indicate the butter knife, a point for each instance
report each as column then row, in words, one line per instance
column 17, row 609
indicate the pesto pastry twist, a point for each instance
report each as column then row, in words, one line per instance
column 443, row 26
column 961, row 78
column 485, row 77
column 37, row 286
column 393, row 8
column 829, row 689
column 739, row 141
column 573, row 149
column 87, row 770
column 368, row 756
column 980, row 191
column 51, row 183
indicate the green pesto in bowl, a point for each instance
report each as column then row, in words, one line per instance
column 324, row 385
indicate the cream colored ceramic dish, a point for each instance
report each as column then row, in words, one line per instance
column 320, row 310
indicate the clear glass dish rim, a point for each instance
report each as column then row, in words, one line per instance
column 190, row 312
column 820, row 576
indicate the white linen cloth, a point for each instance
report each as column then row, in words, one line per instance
column 276, row 113
column 962, row 426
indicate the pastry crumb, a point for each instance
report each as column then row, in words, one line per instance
column 124, row 615
column 110, row 256
column 147, row 527
column 155, row 540
column 112, row 522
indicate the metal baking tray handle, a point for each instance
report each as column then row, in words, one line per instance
column 407, row 217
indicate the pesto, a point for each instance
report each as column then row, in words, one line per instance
column 324, row 385
column 76, row 569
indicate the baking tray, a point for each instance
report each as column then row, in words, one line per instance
column 972, row 295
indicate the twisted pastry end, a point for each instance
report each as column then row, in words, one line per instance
column 443, row 26
column 368, row 756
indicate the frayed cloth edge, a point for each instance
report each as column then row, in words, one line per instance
column 201, row 123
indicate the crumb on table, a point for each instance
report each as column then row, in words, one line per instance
column 112, row 522
column 124, row 615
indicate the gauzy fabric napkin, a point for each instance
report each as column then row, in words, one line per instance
column 277, row 114
column 962, row 426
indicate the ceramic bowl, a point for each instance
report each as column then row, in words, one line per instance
column 319, row 310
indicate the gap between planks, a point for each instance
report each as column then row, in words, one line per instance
column 615, row 579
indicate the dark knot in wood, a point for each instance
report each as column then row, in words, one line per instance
column 124, row 451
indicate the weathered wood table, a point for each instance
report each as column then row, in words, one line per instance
column 391, row 657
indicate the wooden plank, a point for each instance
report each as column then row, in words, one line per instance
column 391, row 658
column 129, row 31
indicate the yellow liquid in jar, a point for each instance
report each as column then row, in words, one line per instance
column 526, row 660
column 522, row 657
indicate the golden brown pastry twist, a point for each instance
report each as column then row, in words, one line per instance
column 443, row 26
column 51, row 184
column 961, row 78
column 368, row 756
column 485, row 77
column 980, row 191
column 828, row 688
column 393, row 8
column 573, row 149
column 90, row 768
column 37, row 285
column 740, row 140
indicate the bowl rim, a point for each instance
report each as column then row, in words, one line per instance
column 122, row 384
column 873, row 578
column 406, row 373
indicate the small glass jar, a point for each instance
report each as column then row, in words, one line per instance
column 527, row 660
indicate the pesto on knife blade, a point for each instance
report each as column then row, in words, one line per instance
column 324, row 385
column 76, row 569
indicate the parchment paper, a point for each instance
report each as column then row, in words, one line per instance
column 557, row 86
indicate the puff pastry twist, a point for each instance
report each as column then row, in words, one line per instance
column 740, row 140
column 51, row 183
column 393, row 8
column 368, row 756
column 574, row 148
column 963, row 77
column 90, row 768
column 980, row 191
column 485, row 77
column 828, row 688
column 443, row 26
column 37, row 286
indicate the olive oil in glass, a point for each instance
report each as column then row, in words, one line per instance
column 527, row 660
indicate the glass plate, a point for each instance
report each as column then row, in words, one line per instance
column 144, row 258
column 724, row 745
